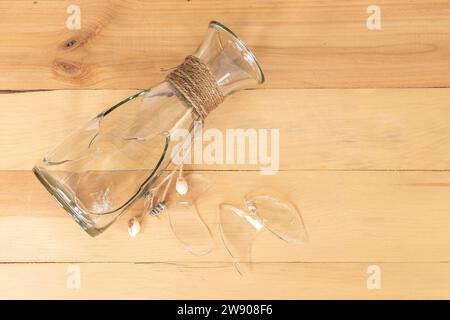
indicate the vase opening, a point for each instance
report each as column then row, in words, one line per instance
column 232, row 63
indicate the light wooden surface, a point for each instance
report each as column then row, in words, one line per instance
column 220, row 281
column 301, row 44
column 326, row 129
column 364, row 147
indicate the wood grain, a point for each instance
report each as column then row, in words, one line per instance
column 301, row 44
column 349, row 216
column 327, row 129
column 364, row 147
column 221, row 281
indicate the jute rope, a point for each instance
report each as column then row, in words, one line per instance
column 197, row 85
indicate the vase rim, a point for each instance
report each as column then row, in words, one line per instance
column 217, row 24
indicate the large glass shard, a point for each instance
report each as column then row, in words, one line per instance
column 238, row 230
column 278, row 215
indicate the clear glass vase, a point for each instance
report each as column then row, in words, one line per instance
column 115, row 158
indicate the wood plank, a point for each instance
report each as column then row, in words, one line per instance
column 221, row 281
column 329, row 129
column 301, row 44
column 349, row 216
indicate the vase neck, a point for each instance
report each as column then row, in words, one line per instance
column 231, row 62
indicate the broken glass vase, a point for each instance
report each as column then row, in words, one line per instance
column 115, row 158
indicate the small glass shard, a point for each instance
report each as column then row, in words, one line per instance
column 188, row 226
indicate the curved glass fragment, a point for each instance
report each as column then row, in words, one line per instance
column 185, row 220
column 239, row 229
column 277, row 214
column 188, row 226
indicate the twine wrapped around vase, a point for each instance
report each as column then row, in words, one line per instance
column 196, row 83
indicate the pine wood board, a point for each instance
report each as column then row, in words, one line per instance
column 319, row 129
column 301, row 44
column 221, row 281
column 364, row 147
column 350, row 216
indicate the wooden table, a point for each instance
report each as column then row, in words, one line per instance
column 364, row 146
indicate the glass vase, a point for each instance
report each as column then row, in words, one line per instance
column 103, row 167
